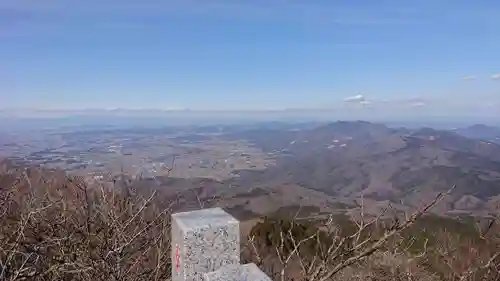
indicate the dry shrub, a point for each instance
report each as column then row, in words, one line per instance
column 372, row 250
column 67, row 230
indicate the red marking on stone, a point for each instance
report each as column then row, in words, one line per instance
column 177, row 259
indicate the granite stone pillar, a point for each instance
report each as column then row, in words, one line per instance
column 203, row 241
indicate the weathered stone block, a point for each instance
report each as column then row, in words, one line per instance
column 203, row 241
column 247, row 272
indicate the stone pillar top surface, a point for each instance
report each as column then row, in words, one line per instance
column 213, row 217
column 237, row 272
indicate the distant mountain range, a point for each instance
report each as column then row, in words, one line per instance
column 404, row 166
column 183, row 116
column 480, row 132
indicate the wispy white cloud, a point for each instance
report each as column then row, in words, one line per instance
column 355, row 99
column 418, row 104
column 495, row 76
column 401, row 103
column 391, row 103
column 469, row 78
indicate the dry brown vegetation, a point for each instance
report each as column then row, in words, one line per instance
column 64, row 230
column 59, row 228
column 418, row 246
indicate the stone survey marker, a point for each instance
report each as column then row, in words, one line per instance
column 203, row 241
column 246, row 272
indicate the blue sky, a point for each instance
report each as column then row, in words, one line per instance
column 421, row 56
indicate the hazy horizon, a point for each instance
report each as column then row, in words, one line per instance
column 128, row 119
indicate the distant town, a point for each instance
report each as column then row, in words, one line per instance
column 103, row 154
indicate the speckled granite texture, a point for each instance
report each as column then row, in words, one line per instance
column 247, row 272
column 203, row 241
